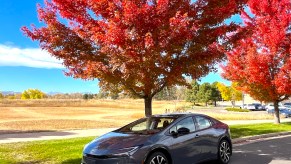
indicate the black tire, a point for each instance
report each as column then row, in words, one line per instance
column 224, row 152
column 157, row 158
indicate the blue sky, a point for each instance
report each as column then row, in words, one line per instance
column 23, row 65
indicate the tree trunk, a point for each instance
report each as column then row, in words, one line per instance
column 215, row 103
column 276, row 112
column 148, row 106
column 233, row 103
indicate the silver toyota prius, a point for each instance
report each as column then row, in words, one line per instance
column 163, row 139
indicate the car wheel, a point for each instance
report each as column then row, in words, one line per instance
column 157, row 158
column 224, row 152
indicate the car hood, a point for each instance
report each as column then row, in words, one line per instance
column 113, row 141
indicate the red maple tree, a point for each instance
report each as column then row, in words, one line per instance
column 261, row 62
column 139, row 46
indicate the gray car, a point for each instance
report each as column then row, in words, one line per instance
column 163, row 139
column 284, row 112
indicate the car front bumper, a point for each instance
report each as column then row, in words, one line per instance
column 91, row 159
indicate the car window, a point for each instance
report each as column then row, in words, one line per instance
column 139, row 127
column 147, row 125
column 185, row 123
column 202, row 122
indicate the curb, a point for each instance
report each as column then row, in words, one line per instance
column 258, row 137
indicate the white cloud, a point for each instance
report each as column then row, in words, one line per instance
column 29, row 57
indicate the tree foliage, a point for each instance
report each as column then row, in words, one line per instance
column 168, row 93
column 32, row 94
column 229, row 93
column 260, row 63
column 191, row 94
column 88, row 96
column 141, row 46
column 203, row 93
column 1, row 96
column 215, row 94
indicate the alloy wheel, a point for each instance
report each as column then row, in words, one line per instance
column 224, row 152
column 158, row 159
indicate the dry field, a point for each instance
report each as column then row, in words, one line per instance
column 44, row 115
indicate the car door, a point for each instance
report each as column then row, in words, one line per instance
column 208, row 136
column 184, row 148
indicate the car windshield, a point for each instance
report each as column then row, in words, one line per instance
column 150, row 125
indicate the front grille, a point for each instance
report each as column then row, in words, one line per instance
column 97, row 156
column 94, row 159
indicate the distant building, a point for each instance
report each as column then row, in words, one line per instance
column 249, row 100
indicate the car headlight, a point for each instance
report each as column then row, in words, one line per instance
column 85, row 146
column 125, row 151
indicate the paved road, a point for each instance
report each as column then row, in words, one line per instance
column 273, row 151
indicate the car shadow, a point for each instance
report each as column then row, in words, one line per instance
column 72, row 161
column 243, row 158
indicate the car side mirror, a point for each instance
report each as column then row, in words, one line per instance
column 183, row 131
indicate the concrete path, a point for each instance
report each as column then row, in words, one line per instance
column 34, row 136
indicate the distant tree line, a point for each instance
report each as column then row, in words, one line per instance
column 171, row 93
column 10, row 96
column 211, row 93
column 205, row 93
column 65, row 96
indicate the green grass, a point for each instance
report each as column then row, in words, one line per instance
column 236, row 110
column 238, row 131
column 69, row 151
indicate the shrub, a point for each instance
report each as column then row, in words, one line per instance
column 236, row 110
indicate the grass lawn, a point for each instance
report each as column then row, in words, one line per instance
column 69, row 151
column 237, row 110
column 238, row 131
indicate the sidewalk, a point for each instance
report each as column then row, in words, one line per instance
column 35, row 136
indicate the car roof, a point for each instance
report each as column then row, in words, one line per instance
column 176, row 115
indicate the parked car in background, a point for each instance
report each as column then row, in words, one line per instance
column 163, row 139
column 284, row 112
column 271, row 107
column 253, row 106
column 259, row 106
column 249, row 107
column 287, row 105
